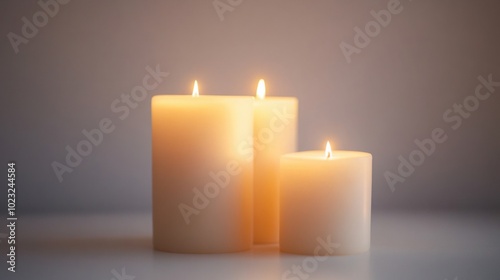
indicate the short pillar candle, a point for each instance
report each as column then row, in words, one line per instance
column 325, row 197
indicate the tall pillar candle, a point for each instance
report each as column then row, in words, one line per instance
column 202, row 183
column 275, row 134
column 325, row 202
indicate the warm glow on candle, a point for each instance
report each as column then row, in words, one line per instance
column 261, row 89
column 191, row 135
column 328, row 150
column 195, row 89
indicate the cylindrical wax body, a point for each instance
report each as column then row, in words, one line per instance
column 275, row 134
column 202, row 183
column 325, row 201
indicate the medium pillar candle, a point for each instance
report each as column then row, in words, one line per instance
column 202, row 184
column 325, row 199
column 275, row 134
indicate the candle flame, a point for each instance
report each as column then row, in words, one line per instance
column 196, row 93
column 328, row 151
column 261, row 89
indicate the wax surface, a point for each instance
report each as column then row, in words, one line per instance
column 325, row 201
column 198, row 167
column 275, row 134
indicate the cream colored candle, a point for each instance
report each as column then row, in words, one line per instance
column 325, row 202
column 275, row 134
column 202, row 184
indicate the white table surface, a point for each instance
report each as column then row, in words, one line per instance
column 432, row 245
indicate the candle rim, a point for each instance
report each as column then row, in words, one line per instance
column 320, row 155
column 276, row 99
column 190, row 98
column 201, row 96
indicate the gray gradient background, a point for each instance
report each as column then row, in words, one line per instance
column 393, row 92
